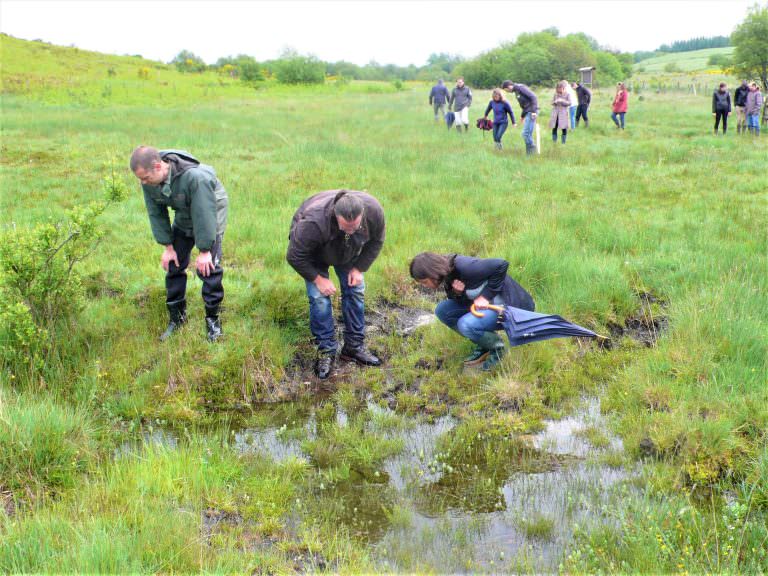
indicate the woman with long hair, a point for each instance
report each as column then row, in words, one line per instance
column 561, row 104
column 501, row 109
column 620, row 105
column 467, row 281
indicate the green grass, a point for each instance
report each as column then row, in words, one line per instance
column 663, row 208
column 684, row 61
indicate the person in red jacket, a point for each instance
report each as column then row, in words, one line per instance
column 619, row 105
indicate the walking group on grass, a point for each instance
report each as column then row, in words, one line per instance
column 748, row 101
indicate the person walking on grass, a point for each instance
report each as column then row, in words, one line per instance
column 176, row 179
column 561, row 104
column 619, row 105
column 574, row 103
column 468, row 281
column 740, row 101
column 461, row 100
column 752, row 108
column 438, row 98
column 501, row 109
column 530, row 109
column 344, row 229
column 721, row 106
column 583, row 97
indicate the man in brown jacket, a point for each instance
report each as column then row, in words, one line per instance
column 344, row 229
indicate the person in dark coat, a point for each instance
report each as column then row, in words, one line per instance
column 740, row 102
column 501, row 109
column 344, row 229
column 461, row 100
column 468, row 281
column 438, row 98
column 584, row 97
column 530, row 109
column 721, row 106
column 176, row 179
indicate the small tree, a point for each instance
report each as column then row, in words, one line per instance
column 186, row 61
column 294, row 68
column 750, row 59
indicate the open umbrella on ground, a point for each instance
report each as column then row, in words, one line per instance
column 524, row 327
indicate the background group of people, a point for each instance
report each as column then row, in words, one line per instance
column 570, row 105
column 748, row 101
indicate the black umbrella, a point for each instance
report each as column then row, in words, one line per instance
column 523, row 327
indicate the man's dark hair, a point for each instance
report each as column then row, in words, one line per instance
column 722, row 84
column 507, row 83
column 431, row 265
column 144, row 157
column 348, row 206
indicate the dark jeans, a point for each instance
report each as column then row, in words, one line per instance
column 457, row 317
column 498, row 131
column 176, row 277
column 581, row 112
column 321, row 322
column 724, row 115
column 620, row 115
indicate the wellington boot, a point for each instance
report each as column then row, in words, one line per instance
column 177, row 312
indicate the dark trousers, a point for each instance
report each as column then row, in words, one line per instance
column 581, row 112
column 176, row 277
column 321, row 322
column 724, row 115
column 498, row 131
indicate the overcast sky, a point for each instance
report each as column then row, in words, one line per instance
column 396, row 32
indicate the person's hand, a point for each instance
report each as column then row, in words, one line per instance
column 514, row 125
column 458, row 286
column 713, row 113
column 169, row 256
column 325, row 286
column 533, row 115
column 204, row 264
column 481, row 303
column 355, row 277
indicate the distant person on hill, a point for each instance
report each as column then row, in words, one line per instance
column 501, row 109
column 740, row 101
column 574, row 103
column 344, row 229
column 176, row 179
column 619, row 105
column 753, row 107
column 438, row 98
column 721, row 106
column 461, row 100
column 530, row 109
column 561, row 103
column 584, row 97
column 467, row 281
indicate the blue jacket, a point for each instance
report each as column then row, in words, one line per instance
column 439, row 94
column 490, row 276
column 500, row 111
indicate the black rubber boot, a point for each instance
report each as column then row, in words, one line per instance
column 495, row 346
column 477, row 356
column 213, row 323
column 324, row 364
column 177, row 312
column 360, row 355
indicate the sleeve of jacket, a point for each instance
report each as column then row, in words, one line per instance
column 714, row 102
column 373, row 246
column 588, row 96
column 158, row 220
column 487, row 109
column 431, row 94
column 729, row 102
column 451, row 99
column 469, row 100
column 509, row 111
column 495, row 271
column 203, row 207
column 304, row 243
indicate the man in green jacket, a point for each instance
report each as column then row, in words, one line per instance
column 176, row 179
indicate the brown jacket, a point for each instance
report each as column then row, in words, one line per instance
column 560, row 114
column 316, row 242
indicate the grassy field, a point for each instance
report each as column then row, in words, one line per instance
column 684, row 61
column 124, row 455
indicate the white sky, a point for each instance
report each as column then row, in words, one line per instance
column 390, row 32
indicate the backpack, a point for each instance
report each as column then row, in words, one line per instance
column 450, row 118
column 484, row 123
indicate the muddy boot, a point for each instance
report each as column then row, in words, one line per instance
column 530, row 150
column 177, row 312
column 324, row 364
column 477, row 356
column 586, row 123
column 458, row 128
column 562, row 138
column 495, row 346
column 213, row 323
column 360, row 355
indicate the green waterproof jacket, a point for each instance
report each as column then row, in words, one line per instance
column 197, row 197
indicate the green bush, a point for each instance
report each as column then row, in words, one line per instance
column 298, row 69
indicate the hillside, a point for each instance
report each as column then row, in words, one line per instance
column 685, row 61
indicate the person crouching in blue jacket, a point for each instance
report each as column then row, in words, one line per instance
column 466, row 281
column 500, row 109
